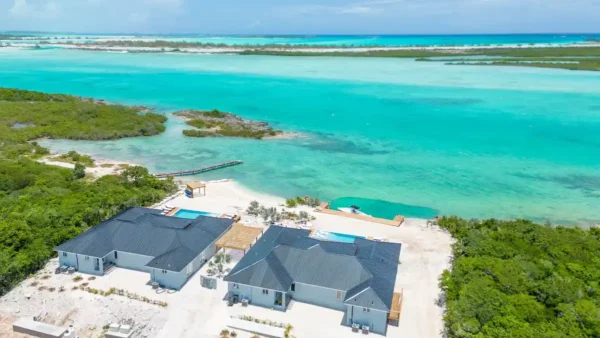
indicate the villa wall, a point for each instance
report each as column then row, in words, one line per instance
column 254, row 295
column 81, row 263
column 129, row 260
column 376, row 320
column 320, row 296
column 69, row 260
column 176, row 280
column 169, row 279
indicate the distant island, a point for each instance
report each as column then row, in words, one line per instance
column 215, row 123
column 576, row 56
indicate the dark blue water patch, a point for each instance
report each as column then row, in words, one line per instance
column 588, row 185
column 331, row 144
column 384, row 209
column 22, row 125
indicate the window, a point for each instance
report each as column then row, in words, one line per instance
column 87, row 258
column 236, row 286
column 293, row 286
column 339, row 295
column 164, row 271
column 265, row 292
column 190, row 267
column 116, row 256
column 64, row 254
column 366, row 309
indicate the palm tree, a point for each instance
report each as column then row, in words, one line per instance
column 218, row 261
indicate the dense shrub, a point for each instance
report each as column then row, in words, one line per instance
column 520, row 279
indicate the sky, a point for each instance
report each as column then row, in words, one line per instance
column 302, row 16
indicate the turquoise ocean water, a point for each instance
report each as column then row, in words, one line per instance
column 391, row 135
column 339, row 40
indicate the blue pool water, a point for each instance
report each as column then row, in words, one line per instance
column 192, row 214
column 335, row 237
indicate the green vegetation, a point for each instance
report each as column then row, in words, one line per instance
column 309, row 201
column 215, row 123
column 40, row 115
column 42, row 206
column 588, row 64
column 520, row 279
column 74, row 157
column 424, row 53
column 572, row 58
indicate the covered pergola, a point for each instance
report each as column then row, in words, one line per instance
column 193, row 186
column 239, row 237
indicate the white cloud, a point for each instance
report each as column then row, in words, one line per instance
column 357, row 10
column 22, row 9
column 138, row 18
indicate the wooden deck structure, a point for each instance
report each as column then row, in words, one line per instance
column 200, row 170
column 394, row 314
column 239, row 237
column 396, row 222
column 172, row 212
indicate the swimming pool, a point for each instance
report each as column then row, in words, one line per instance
column 191, row 214
column 334, row 236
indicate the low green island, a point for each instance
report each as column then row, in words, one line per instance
column 571, row 58
column 42, row 205
column 215, row 123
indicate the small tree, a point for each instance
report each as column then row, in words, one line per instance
column 291, row 203
column 253, row 208
column 264, row 213
column 79, row 171
column 303, row 215
column 135, row 174
column 218, row 261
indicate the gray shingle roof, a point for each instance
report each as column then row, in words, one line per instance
column 172, row 241
column 365, row 269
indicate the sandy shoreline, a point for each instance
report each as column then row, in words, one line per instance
column 101, row 166
column 239, row 49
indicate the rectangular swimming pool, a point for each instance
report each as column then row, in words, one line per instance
column 334, row 236
column 192, row 214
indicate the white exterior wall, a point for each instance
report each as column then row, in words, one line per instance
column 169, row 279
column 176, row 280
column 68, row 260
column 320, row 296
column 129, row 260
column 255, row 295
column 375, row 319
column 80, row 263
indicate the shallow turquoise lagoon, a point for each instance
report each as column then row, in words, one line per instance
column 390, row 135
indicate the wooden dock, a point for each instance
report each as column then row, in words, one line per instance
column 396, row 222
column 200, row 170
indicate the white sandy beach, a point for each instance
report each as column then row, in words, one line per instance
column 101, row 166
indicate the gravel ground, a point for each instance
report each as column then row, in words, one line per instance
column 89, row 313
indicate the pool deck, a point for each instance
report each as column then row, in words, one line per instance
column 396, row 222
column 172, row 212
